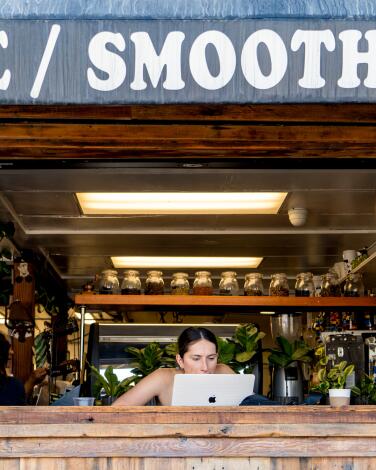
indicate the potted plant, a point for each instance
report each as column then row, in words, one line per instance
column 241, row 351
column 365, row 391
column 287, row 377
column 150, row 358
column 110, row 384
column 332, row 381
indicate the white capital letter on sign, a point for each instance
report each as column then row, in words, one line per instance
column 106, row 61
column 312, row 56
column 351, row 57
column 170, row 57
column 278, row 57
column 198, row 64
column 5, row 79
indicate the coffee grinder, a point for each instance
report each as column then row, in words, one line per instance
column 287, row 382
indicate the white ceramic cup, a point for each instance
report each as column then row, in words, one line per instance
column 83, row 401
column 339, row 396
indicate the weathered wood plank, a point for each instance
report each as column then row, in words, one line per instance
column 52, row 463
column 188, row 415
column 188, row 430
column 188, row 447
column 9, row 464
column 252, row 463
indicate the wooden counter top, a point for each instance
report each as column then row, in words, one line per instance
column 185, row 432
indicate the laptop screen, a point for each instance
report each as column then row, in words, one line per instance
column 211, row 389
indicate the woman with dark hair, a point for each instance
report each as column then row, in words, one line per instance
column 197, row 354
column 12, row 391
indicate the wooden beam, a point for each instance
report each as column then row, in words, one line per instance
column 174, row 141
column 320, row 113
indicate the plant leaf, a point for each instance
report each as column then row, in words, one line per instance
column 245, row 356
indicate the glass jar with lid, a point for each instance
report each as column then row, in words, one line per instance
column 202, row 285
column 330, row 285
column 154, row 284
column 279, row 285
column 253, row 284
column 304, row 286
column 131, row 284
column 180, row 284
column 109, row 282
column 354, row 286
column 228, row 285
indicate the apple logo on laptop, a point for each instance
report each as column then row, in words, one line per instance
column 212, row 399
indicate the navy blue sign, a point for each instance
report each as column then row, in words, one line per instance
column 187, row 61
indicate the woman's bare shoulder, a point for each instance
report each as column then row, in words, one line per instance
column 223, row 369
column 164, row 372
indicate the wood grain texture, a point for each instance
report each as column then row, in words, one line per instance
column 250, row 463
column 188, row 447
column 198, row 432
column 188, row 430
column 312, row 113
column 22, row 360
column 142, row 302
column 152, row 132
column 257, row 415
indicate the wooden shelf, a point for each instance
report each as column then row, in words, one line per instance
column 229, row 303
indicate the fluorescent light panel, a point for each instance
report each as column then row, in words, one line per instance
column 184, row 262
column 180, row 203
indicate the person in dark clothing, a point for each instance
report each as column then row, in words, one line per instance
column 12, row 390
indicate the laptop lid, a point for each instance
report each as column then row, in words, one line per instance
column 211, row 389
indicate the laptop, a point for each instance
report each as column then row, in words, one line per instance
column 211, row 389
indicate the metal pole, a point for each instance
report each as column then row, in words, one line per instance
column 82, row 338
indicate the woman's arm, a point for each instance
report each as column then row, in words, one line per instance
column 148, row 388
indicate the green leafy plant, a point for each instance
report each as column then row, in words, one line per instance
column 288, row 352
column 334, row 377
column 147, row 359
column 246, row 339
column 112, row 386
column 366, row 390
column 239, row 351
column 169, row 357
column 226, row 351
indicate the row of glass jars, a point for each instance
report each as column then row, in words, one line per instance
column 228, row 285
column 154, row 284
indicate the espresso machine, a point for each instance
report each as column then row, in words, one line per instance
column 354, row 347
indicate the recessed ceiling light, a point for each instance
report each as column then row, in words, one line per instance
column 185, row 262
column 180, row 203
